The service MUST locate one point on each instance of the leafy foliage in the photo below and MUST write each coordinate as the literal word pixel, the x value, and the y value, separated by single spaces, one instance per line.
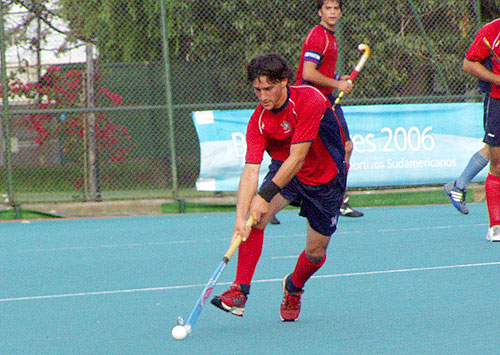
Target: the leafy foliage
pixel 122 30
pixel 417 46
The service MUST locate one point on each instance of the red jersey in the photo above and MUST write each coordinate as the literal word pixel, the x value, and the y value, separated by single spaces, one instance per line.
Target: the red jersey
pixel 297 121
pixel 479 52
pixel 320 47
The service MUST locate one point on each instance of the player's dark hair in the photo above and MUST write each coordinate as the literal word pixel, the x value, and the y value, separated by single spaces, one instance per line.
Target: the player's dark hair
pixel 321 2
pixel 270 65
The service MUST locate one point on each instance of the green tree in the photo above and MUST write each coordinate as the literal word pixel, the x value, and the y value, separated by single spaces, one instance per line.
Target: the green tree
pixel 417 46
pixel 122 30
pixel 490 10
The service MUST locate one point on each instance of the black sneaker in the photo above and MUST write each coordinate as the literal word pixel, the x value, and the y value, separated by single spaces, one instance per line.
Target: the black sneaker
pixel 347 211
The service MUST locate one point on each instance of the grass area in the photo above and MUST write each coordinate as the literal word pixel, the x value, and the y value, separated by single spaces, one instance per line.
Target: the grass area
pixel 403 198
pixel 364 199
pixel 358 199
pixel 195 207
pixel 21 213
pixel 199 207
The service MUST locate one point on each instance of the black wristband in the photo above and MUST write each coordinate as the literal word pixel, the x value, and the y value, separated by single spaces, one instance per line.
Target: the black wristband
pixel 269 190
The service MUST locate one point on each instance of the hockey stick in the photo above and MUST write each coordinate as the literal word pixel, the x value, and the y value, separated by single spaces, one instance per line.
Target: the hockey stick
pixel 207 291
pixel 364 57
pixel 492 52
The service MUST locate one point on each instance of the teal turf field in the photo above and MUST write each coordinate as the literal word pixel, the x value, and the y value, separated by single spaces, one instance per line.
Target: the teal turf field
pixel 401 280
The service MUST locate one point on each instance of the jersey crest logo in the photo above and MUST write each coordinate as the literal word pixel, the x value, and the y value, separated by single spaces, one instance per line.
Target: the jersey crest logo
pixel 286 127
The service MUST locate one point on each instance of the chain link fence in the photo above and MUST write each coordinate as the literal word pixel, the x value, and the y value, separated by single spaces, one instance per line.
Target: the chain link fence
pixel 97 97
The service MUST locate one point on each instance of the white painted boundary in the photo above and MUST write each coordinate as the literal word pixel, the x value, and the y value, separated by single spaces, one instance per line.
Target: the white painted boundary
pixel 166 288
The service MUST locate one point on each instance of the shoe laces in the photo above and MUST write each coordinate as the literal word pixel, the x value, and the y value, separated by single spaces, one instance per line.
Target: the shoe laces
pixel 234 290
pixel 292 300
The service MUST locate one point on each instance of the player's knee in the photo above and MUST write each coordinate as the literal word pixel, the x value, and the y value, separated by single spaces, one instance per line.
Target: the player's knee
pixel 348 147
pixel 495 165
pixel 495 168
pixel 486 151
pixel 315 256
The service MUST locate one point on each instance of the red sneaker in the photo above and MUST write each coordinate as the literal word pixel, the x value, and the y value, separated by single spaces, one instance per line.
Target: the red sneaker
pixel 232 300
pixel 290 306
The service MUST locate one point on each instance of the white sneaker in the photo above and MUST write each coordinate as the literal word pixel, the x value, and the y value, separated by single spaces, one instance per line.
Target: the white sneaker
pixel 494 234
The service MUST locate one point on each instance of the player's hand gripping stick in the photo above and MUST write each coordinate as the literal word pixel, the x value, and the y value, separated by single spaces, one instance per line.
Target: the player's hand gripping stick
pixel 492 52
pixel 364 57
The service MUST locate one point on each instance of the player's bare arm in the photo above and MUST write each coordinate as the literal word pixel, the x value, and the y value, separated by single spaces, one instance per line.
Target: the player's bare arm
pixel 246 191
pixel 313 75
pixel 480 71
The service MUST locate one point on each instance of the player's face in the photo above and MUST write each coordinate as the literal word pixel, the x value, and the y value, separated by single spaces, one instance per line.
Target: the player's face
pixel 330 14
pixel 271 95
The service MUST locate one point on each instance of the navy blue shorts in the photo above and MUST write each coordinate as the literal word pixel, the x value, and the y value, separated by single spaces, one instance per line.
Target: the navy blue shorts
pixel 340 114
pixel 319 204
pixel 491 121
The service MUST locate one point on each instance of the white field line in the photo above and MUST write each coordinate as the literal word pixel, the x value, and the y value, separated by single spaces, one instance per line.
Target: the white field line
pixel 104 246
pixel 165 288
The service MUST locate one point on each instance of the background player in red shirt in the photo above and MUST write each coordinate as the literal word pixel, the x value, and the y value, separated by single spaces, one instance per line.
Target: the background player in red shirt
pixel 489 36
pixel 317 68
pixel 297 127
